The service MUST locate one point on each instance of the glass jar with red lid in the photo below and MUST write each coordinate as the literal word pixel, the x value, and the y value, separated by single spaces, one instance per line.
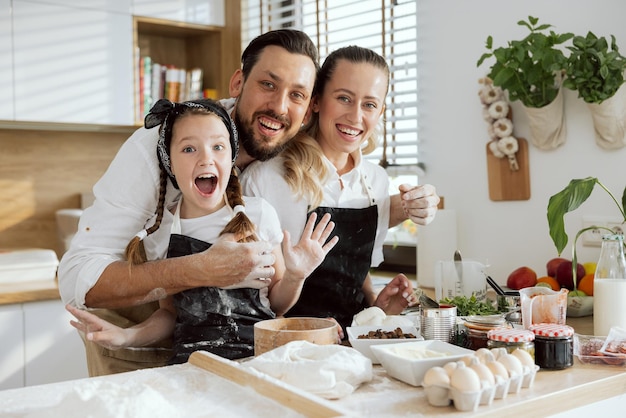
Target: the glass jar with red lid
pixel 512 338
pixel 554 346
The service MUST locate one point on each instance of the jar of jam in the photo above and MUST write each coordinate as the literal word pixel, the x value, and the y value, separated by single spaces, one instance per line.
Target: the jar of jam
pixel 478 326
pixel 512 338
pixel 554 346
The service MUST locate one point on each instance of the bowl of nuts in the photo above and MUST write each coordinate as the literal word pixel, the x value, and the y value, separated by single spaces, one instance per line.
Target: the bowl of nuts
pixel 363 337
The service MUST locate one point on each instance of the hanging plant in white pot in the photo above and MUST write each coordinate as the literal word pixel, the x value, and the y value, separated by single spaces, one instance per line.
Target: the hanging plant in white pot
pixel 530 70
pixel 596 71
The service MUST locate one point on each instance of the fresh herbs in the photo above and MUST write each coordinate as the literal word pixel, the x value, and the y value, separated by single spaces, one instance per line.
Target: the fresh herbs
pixel 469 306
pixel 594 68
pixel 529 69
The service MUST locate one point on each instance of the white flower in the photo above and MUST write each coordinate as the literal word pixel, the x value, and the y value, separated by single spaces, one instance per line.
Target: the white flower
pixel 508 145
pixel 489 93
pixel 499 109
pixel 495 150
pixel 503 127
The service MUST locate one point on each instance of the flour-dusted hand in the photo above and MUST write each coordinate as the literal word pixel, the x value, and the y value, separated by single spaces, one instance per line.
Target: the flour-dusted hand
pixel 396 296
pixel 98 330
pixel 419 203
pixel 308 254
pixel 234 264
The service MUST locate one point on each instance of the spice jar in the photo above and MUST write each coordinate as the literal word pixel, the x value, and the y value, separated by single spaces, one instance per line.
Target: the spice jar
pixel 554 347
pixel 512 338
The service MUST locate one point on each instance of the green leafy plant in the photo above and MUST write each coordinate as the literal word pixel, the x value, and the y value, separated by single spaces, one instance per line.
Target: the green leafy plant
pixel 593 69
pixel 569 199
pixel 528 69
pixel 469 306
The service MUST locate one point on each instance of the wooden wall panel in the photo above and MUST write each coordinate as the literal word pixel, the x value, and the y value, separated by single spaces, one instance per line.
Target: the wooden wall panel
pixel 43 171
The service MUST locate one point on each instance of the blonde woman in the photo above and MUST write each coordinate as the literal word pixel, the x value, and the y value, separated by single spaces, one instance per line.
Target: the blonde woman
pixel 322 171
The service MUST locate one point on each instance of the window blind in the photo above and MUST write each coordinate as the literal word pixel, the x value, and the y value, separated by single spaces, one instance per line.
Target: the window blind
pixel 388 27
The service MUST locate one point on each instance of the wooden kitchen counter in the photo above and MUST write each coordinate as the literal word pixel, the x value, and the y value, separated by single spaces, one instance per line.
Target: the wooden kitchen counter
pixel 552 392
pixel 31 291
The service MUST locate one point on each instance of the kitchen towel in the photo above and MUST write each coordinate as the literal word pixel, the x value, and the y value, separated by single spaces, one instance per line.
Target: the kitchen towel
pixel 330 371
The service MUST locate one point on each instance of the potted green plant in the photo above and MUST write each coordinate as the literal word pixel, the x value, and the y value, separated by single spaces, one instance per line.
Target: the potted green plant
pixel 530 71
pixel 569 199
pixel 595 70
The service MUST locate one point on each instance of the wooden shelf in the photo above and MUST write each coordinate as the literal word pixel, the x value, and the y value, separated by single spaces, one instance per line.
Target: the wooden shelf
pixel 183 45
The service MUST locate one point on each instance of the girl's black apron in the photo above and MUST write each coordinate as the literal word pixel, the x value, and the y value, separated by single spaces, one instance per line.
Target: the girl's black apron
pixel 212 319
pixel 334 289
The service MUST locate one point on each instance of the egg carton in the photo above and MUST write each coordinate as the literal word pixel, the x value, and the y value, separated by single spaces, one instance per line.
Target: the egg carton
pixel 469 400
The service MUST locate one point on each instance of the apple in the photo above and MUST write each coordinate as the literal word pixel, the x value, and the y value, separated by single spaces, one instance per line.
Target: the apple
pixel 521 277
pixel 564 274
pixel 552 265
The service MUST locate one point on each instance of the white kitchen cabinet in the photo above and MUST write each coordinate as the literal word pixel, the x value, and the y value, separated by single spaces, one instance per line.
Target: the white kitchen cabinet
pixel 6 61
pixel 119 6
pixel 11 347
pixel 203 12
pixel 72 64
pixel 39 345
pixel 53 350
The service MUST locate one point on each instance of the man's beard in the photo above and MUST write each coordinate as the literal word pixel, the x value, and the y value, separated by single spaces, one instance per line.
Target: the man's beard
pixel 253 147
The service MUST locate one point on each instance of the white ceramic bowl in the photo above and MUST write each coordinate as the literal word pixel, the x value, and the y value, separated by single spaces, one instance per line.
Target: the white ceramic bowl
pixel 363 345
pixel 400 362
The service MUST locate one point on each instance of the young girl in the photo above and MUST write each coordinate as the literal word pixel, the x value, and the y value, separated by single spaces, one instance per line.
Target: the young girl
pixel 197 148
pixel 323 171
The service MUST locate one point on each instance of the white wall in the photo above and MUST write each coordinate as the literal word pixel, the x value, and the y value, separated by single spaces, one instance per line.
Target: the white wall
pixel 453 134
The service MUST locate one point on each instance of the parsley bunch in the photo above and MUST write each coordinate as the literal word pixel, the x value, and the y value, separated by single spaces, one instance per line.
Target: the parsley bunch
pixel 469 306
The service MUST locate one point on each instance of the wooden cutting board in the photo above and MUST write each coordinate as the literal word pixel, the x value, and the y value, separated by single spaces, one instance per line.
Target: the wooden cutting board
pixel 505 184
pixel 286 395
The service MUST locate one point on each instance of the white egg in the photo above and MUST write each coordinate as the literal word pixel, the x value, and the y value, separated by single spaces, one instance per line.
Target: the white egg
pixel 436 376
pixel 484 374
pixel 498 351
pixel 512 364
pixel 485 355
pixel 524 356
pixel 498 369
pixel 467 360
pixel 449 367
pixel 465 379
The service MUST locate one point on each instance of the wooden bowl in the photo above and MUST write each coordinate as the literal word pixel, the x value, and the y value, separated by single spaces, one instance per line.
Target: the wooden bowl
pixel 273 333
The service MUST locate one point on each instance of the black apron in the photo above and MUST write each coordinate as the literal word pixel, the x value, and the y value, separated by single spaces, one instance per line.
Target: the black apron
pixel 212 319
pixel 334 289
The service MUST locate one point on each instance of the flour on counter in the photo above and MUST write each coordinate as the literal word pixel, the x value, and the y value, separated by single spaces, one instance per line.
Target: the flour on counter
pixel 175 391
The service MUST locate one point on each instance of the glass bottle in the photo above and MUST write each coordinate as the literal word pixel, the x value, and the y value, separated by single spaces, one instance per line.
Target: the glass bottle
pixel 609 286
